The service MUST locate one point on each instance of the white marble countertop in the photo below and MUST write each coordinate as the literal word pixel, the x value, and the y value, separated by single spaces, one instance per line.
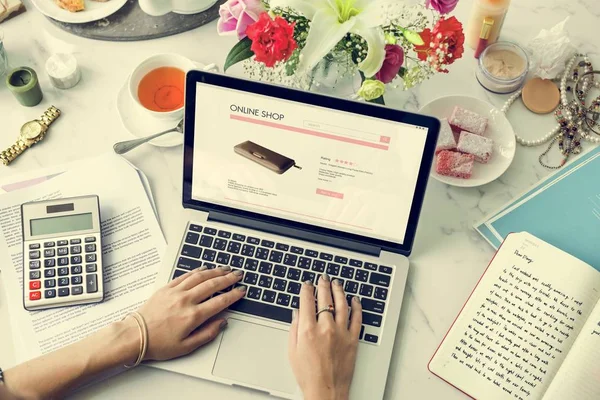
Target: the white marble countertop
pixel 448 256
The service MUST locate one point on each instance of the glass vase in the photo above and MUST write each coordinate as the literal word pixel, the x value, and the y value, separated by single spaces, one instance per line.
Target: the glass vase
pixel 335 75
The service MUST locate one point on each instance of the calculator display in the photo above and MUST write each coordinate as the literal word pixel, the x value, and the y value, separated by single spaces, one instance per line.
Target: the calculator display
pixel 68 223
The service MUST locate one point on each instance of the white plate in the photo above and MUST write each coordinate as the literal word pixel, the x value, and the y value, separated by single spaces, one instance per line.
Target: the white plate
pixel 499 130
pixel 94 10
pixel 141 124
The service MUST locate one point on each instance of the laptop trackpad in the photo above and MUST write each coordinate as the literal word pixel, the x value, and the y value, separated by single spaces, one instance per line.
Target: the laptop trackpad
pixel 256 355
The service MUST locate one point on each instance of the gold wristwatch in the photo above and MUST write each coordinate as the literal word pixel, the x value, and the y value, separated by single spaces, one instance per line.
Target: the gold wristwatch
pixel 31 133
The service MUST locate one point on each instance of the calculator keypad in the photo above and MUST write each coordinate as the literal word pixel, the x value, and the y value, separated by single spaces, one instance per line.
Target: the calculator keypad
pixel 62 269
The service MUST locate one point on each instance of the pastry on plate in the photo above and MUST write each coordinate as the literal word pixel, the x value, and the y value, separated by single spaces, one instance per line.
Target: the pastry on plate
pixel 71 5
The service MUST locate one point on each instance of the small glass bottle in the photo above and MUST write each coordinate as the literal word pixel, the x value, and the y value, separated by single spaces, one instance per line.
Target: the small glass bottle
pixel 484 36
pixel 3 56
pixel 494 9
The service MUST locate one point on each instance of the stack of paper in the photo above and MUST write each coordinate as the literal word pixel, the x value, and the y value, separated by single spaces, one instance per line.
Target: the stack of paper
pixel 563 210
pixel 131 251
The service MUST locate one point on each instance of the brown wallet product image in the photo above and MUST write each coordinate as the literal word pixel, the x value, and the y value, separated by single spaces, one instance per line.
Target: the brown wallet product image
pixel 265 157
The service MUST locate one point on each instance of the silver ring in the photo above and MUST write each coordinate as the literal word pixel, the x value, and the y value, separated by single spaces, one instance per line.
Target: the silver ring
pixel 328 309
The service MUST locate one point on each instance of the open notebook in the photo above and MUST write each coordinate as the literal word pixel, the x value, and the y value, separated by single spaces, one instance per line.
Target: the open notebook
pixel 530 330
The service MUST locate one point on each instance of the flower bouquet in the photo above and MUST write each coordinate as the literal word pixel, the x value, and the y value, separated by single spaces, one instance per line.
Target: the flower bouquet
pixel 384 42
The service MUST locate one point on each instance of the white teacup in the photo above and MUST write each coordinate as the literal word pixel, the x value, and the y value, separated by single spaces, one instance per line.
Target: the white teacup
pixel 158 61
pixel 150 64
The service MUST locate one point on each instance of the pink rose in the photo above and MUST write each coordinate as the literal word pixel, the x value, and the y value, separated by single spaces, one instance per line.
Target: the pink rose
pixel 236 15
pixel 442 6
pixel 394 58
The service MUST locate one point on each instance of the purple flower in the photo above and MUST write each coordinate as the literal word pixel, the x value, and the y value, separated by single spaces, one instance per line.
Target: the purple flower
pixel 394 58
pixel 442 6
pixel 236 15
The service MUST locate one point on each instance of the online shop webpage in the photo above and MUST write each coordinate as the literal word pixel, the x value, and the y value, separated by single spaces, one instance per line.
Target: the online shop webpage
pixel 305 163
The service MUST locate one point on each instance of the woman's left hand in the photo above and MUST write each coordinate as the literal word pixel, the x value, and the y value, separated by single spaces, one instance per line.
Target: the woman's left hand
pixel 179 315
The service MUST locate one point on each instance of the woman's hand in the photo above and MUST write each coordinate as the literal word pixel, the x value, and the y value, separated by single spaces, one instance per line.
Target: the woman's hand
pixel 323 350
pixel 179 314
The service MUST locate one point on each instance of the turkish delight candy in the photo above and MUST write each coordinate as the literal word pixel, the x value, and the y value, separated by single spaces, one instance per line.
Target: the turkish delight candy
pixel 479 146
pixel 452 163
pixel 446 140
pixel 465 120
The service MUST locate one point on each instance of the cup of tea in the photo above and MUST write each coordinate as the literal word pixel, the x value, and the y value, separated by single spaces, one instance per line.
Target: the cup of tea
pixel 157 85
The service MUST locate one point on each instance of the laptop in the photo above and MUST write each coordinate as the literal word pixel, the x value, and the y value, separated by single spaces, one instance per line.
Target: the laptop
pixel 287 185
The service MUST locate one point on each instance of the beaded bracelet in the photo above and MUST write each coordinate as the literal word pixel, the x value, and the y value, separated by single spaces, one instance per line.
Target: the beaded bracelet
pixel 1 376
pixel 143 337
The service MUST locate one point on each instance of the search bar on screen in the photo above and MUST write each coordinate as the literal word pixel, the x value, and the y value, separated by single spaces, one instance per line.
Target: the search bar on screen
pixel 346 132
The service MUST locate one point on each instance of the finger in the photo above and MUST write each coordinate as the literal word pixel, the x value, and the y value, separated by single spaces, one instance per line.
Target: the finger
pixel 306 314
pixel 204 335
pixel 355 317
pixel 211 286
pixel 196 279
pixel 293 340
pixel 341 305
pixel 218 303
pixel 324 299
pixel 183 277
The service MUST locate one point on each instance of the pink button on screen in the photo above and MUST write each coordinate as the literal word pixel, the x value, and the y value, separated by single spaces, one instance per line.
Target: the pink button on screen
pixel 329 193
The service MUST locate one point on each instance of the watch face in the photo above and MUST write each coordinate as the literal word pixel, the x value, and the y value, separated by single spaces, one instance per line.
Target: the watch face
pixel 31 130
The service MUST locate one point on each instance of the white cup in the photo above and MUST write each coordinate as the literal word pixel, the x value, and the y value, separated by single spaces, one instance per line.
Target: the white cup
pixel 152 63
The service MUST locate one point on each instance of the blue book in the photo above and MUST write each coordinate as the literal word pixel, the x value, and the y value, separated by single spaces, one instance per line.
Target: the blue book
pixel 563 210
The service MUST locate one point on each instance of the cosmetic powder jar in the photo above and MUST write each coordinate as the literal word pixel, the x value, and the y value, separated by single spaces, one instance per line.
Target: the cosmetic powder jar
pixel 502 68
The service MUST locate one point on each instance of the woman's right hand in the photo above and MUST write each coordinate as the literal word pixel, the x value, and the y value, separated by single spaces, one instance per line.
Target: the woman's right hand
pixel 323 349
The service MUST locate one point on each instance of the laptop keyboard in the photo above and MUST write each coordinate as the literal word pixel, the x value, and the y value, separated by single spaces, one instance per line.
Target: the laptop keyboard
pixel 274 272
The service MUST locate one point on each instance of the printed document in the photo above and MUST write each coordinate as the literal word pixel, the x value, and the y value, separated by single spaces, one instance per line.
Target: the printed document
pixel 132 246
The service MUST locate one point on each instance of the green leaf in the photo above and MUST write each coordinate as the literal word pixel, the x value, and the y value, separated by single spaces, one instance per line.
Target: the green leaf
pixel 402 72
pixel 378 100
pixel 292 63
pixel 240 52
pixel 413 37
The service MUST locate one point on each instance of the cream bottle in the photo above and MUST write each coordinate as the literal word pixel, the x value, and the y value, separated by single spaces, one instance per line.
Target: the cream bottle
pixel 495 9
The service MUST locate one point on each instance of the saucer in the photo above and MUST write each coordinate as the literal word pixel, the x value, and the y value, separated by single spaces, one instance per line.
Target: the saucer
pixel 140 124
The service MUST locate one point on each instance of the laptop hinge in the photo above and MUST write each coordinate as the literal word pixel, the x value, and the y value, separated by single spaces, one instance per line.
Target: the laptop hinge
pixel 277 229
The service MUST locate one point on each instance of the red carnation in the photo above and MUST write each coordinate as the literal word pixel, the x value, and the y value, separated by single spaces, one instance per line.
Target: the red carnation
pixel 272 39
pixel 444 45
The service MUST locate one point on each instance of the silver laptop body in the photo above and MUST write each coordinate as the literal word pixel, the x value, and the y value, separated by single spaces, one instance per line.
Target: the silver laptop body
pixel 252 351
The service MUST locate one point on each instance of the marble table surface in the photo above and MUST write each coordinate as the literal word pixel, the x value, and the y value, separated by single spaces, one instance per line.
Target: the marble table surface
pixel 448 256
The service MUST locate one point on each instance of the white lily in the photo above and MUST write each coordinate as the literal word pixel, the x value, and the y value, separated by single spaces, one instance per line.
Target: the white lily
pixel 331 20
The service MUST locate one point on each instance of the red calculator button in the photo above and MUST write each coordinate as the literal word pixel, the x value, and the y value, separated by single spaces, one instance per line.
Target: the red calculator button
pixel 35 285
pixel 35 295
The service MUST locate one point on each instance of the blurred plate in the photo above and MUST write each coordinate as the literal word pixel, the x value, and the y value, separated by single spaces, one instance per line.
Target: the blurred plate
pixel 94 10
pixel 499 130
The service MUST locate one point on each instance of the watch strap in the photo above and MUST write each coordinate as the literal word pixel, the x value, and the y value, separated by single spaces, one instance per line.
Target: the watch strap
pixel 8 155
pixel 49 116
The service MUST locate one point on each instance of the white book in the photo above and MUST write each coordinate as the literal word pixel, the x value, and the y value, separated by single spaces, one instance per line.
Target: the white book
pixel 530 329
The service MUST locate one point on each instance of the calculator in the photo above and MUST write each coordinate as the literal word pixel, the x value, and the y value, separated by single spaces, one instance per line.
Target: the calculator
pixel 62 253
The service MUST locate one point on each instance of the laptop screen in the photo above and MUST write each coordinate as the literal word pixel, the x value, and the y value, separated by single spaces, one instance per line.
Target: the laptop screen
pixel 300 162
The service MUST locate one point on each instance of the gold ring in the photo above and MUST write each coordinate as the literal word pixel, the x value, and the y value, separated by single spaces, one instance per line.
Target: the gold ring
pixel 328 309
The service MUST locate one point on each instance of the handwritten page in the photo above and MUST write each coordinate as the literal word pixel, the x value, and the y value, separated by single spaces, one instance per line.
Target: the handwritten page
pixel 520 322
pixel 579 376
pixel 132 245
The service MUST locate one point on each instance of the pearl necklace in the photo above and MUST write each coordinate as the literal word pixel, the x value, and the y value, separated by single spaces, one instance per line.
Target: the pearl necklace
pixel 564 101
